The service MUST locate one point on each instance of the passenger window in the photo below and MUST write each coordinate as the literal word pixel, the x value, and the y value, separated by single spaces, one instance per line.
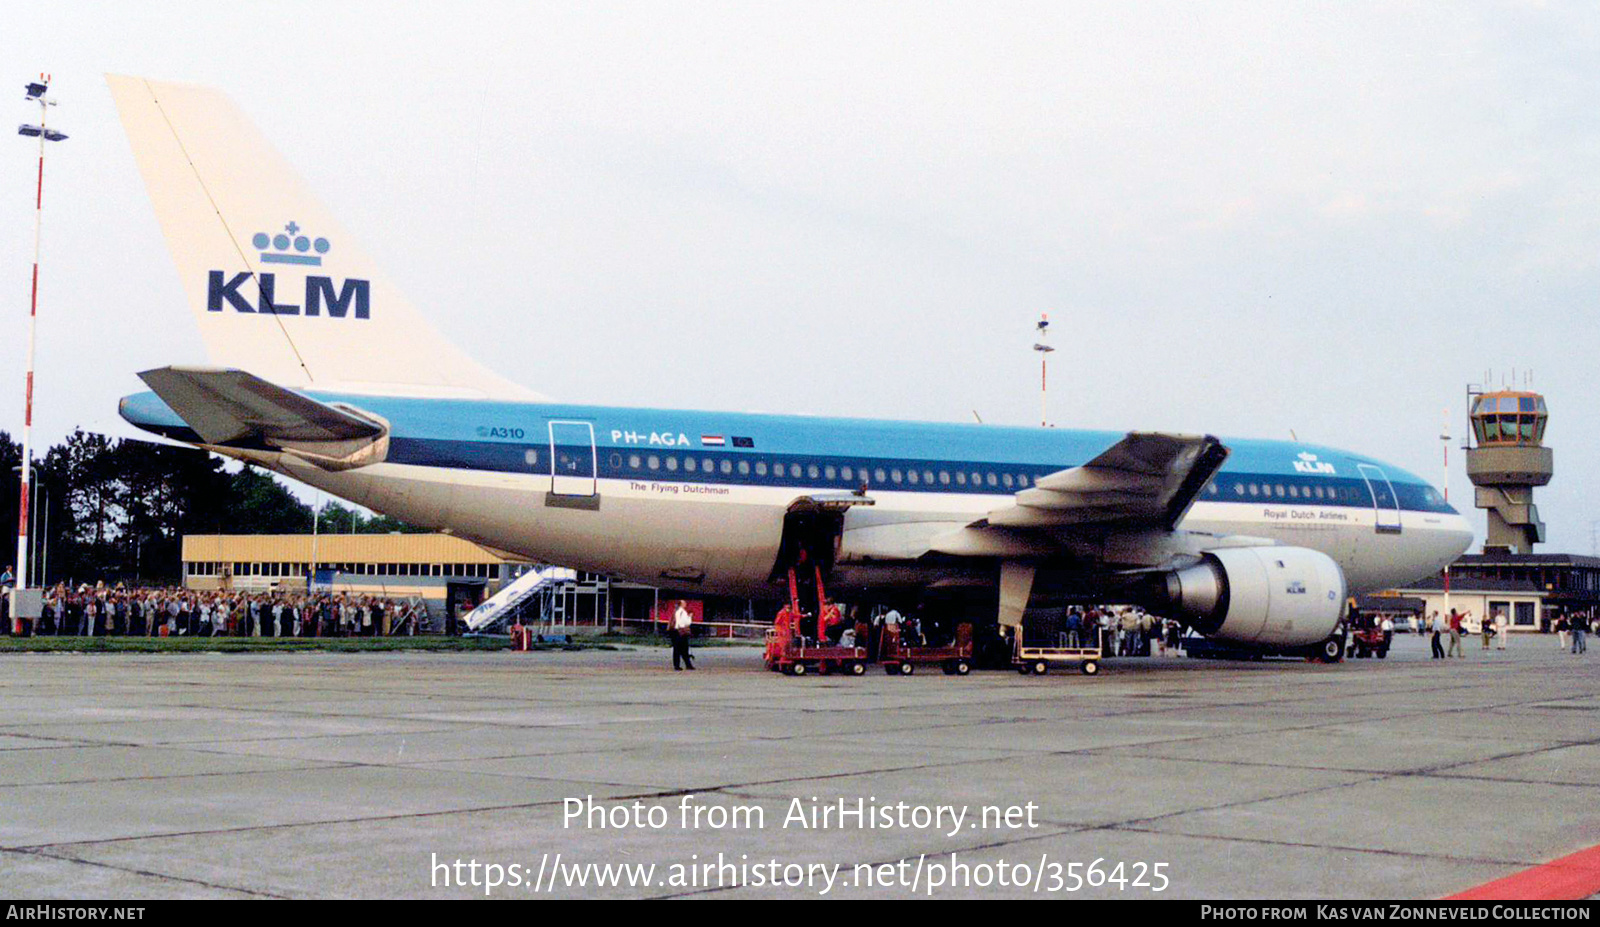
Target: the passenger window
pixel 761 468
pixel 726 466
pixel 653 462
pixel 848 473
pixel 1006 479
pixel 991 479
pixel 672 463
pixel 794 471
pixel 913 477
pixel 961 477
pixel 633 461
pixel 1255 490
pixel 879 475
pixel 944 477
pixel 744 468
pixel 812 471
pixel 689 464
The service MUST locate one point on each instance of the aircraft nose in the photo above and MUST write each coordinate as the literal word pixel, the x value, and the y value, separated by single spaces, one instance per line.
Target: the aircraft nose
pixel 1455 536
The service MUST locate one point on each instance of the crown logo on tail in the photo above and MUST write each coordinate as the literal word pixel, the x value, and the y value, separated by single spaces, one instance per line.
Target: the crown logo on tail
pixel 290 247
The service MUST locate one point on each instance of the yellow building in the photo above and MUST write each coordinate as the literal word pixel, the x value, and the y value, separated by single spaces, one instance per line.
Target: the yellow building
pixel 447 573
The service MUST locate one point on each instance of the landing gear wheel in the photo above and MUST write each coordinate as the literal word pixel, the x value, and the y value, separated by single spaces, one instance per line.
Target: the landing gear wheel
pixel 799 669
pixel 856 669
pixel 1039 667
pixel 962 668
pixel 1330 650
pixel 1091 667
pixel 906 669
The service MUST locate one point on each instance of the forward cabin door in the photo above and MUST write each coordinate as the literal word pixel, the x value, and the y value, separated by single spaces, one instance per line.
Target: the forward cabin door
pixel 572 457
pixel 1384 500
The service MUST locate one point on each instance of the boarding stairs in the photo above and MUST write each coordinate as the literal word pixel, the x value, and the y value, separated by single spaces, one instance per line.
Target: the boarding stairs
pixel 530 592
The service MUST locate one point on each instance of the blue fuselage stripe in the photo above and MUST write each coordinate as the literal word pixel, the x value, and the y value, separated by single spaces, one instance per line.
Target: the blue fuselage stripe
pixel 753 468
pixel 802 451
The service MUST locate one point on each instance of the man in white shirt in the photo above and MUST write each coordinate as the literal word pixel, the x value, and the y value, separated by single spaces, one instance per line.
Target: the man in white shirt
pixel 682 625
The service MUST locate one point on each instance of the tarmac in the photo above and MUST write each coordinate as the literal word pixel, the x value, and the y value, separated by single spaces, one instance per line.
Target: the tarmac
pixel 360 775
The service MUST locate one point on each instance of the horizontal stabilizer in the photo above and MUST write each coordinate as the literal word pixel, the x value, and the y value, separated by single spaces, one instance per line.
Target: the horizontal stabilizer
pixel 226 406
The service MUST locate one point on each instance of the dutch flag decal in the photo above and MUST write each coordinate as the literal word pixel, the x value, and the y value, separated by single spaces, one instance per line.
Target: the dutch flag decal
pixel 712 440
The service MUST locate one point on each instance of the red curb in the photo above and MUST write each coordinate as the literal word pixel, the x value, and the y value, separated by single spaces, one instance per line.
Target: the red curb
pixel 1570 878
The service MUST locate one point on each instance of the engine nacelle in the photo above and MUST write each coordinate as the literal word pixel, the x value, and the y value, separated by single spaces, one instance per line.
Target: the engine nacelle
pixel 1271 596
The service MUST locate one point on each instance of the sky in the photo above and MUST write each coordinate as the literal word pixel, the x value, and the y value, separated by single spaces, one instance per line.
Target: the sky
pixel 1275 219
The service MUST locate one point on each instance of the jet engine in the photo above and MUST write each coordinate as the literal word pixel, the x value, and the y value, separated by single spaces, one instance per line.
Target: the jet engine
pixel 1268 596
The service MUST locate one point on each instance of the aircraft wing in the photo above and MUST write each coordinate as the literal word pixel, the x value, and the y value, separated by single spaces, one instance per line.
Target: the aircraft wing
pixel 228 406
pixel 1147 479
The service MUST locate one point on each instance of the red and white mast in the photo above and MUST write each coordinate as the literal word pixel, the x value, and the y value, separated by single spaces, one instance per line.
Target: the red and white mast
pixel 36 92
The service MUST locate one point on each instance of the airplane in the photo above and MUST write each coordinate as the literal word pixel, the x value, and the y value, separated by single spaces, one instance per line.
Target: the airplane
pixel 321 370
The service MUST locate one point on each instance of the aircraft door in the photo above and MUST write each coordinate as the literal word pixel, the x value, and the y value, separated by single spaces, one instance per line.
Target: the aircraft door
pixel 572 457
pixel 1384 500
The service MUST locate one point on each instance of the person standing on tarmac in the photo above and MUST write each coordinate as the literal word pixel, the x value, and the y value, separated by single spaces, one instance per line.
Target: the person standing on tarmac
pixel 1436 626
pixel 682 625
pixel 1456 620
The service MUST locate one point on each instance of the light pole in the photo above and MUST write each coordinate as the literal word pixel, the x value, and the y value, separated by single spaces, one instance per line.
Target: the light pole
pixel 44 541
pixel 316 525
pixel 1444 439
pixel 1044 361
pixel 37 92
pixel 35 533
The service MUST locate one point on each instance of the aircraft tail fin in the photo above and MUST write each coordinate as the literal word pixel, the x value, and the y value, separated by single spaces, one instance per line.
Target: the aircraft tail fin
pixel 276 285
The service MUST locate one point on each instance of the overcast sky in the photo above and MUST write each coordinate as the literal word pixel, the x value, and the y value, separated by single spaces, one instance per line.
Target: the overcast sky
pixel 1246 219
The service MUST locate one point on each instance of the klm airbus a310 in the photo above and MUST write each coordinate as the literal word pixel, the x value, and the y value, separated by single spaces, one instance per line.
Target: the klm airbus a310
pixel 322 371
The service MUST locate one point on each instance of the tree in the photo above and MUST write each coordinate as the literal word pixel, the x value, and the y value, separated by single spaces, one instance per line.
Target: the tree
pixel 262 505
pixel 167 492
pixel 10 493
pixel 337 519
pixel 93 493
pixel 118 509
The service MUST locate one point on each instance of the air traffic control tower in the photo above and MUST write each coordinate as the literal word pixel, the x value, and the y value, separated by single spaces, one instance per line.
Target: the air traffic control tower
pixel 1506 459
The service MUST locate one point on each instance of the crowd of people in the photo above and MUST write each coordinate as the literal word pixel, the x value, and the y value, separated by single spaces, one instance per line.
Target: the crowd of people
pixel 120 611
pixel 1125 631
pixel 1571 630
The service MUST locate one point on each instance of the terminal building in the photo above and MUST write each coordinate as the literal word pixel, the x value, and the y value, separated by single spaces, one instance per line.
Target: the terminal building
pixel 447 574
